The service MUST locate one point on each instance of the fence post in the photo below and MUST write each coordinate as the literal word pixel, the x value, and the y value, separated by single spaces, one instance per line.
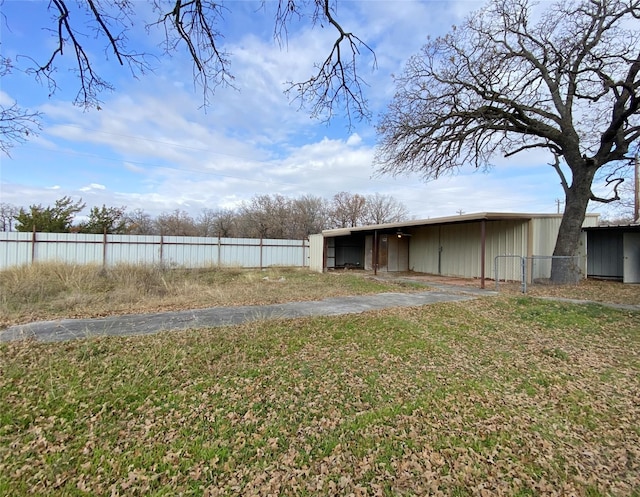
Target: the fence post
pixel 260 251
pixel 104 248
pixel 33 245
pixel 161 247
pixel 219 251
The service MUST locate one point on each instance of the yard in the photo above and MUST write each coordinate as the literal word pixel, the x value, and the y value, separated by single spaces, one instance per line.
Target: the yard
pixel 504 395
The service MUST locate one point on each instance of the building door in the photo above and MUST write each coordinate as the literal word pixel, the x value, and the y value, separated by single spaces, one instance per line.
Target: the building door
pixel 398 253
pixel 383 252
pixel 631 258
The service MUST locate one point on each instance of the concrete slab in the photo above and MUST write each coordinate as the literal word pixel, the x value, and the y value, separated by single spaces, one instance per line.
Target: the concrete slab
pixel 142 324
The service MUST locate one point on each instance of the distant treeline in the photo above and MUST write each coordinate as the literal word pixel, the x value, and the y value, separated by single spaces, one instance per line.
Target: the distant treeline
pixel 264 216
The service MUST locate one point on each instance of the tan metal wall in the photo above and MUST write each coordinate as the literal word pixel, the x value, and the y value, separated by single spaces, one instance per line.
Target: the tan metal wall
pixel 544 234
pixel 316 253
pixel 424 244
pixel 510 239
pixel 455 249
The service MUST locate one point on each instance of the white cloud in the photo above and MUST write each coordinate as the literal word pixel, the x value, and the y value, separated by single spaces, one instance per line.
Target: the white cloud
pixel 92 187
pixel 152 147
pixel 5 99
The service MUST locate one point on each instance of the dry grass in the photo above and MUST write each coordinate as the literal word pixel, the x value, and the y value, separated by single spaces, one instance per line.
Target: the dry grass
pixel 612 292
pixel 54 290
pixel 509 396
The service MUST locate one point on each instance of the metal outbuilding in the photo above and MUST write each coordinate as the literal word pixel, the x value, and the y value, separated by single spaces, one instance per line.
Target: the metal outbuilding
pixel 613 252
pixel 460 246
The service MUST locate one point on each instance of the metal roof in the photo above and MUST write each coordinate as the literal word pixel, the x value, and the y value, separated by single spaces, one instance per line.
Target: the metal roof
pixel 463 218
pixel 614 227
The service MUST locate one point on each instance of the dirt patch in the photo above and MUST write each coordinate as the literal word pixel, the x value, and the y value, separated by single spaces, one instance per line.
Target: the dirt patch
pixel 604 291
pixel 435 279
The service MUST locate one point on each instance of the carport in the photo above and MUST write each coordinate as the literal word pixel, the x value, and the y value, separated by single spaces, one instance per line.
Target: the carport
pixel 458 246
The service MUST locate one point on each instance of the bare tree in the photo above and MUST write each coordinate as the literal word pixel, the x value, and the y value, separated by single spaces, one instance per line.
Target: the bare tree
pixel 140 223
pixel 226 223
pixel 206 222
pixel 310 215
pixel 176 223
pixel 622 211
pixel 381 209
pixel 16 125
pixel 220 222
pixel 347 210
pixel 190 26
pixel 510 79
pixel 8 212
pixel 266 216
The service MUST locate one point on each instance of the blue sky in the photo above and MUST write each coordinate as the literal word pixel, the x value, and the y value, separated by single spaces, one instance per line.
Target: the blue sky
pixel 152 146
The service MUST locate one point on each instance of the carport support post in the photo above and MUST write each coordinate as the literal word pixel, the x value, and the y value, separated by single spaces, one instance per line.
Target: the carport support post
pixel 483 240
pixel 375 252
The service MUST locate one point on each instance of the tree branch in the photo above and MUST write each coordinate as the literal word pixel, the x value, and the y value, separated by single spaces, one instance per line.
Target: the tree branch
pixel 105 30
pixel 16 125
pixel 337 80
pixel 558 169
pixel 192 23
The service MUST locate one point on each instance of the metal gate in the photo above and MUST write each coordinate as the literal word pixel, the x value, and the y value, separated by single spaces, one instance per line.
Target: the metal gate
pixel 527 270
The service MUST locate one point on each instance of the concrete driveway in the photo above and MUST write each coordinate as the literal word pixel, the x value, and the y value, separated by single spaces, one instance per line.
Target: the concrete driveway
pixel 142 324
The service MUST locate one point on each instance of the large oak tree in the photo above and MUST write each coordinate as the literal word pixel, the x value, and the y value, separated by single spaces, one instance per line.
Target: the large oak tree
pixel 559 78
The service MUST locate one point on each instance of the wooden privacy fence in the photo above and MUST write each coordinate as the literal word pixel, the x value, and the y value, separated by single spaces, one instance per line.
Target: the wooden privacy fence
pixel 184 251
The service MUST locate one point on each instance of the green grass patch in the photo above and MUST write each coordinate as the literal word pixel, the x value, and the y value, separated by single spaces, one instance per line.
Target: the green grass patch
pixel 511 395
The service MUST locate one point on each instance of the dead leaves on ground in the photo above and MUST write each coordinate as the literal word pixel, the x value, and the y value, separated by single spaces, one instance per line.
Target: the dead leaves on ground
pixel 480 398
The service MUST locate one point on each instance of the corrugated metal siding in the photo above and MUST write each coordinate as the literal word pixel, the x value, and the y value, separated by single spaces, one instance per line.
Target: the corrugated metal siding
pixel 316 253
pixel 605 254
pixel 284 253
pixel 18 248
pixel 545 234
pixel 455 249
pixel 368 252
pixel 505 238
pixel 423 250
pixel 15 248
pixel 331 253
pixel 133 249
pixel 68 247
pixel 461 250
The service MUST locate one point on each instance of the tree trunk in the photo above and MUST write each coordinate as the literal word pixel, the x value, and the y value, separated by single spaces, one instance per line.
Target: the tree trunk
pixel 566 268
